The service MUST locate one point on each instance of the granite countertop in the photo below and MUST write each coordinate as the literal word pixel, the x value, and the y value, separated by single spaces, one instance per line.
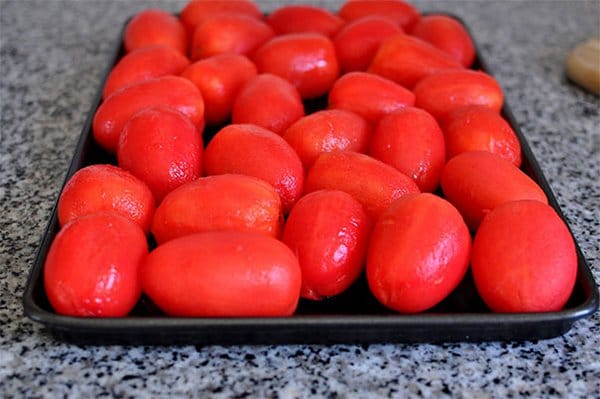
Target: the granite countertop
pixel 52 56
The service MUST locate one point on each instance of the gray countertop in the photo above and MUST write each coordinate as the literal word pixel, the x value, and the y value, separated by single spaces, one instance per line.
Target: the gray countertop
pixel 52 56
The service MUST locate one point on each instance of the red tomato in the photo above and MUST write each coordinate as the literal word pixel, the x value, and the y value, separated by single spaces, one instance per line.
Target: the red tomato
pixel 219 79
pixel 197 11
pixel 476 182
pixel 407 59
pixel 368 95
pixel 326 131
pixel 171 91
pixel 328 231
pixel 153 26
pixel 478 128
pixel 268 101
pixel 524 258
pixel 162 148
pixel 418 253
pixel 357 42
pixel 254 151
pixel 93 266
pixel 447 34
pixel 229 33
pixel 224 202
pixel 97 188
pixel 304 18
pixel 401 12
pixel 411 141
pixel 446 91
pixel 307 60
pixel 373 183
pixel 143 64
pixel 223 274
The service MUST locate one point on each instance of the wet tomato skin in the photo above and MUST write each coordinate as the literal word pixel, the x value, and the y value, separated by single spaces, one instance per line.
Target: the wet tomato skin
pixel 418 253
pixel 368 95
pixel 171 91
pixel 401 12
pixel 447 34
pixel 220 79
pixel 197 11
pixel 307 60
pixel 357 42
pixel 476 182
pixel 407 60
pixel 103 187
pixel 142 64
pixel 154 26
pixel 411 140
pixel 328 231
pixel 446 91
pixel 479 128
pixel 255 151
pixel 92 267
pixel 268 101
pixel 373 183
pixel 161 147
pixel 229 33
pixel 524 258
pixel 223 274
pixel 326 131
pixel 304 18
pixel 224 202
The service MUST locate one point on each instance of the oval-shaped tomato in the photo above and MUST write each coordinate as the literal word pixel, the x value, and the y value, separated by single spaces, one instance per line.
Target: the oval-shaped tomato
pixel 170 91
pixel 154 26
pixel 447 34
pixel 328 231
pixel 407 59
pixel 418 253
pixel 373 183
pixel 326 131
pixel 93 266
pixel 446 91
pixel 255 151
pixel 307 60
pixel 197 11
pixel 476 182
pixel 101 187
pixel 399 11
pixel 304 18
pixel 524 258
pixel 411 141
pixel 220 79
pixel 162 148
pixel 229 33
pixel 368 95
pixel 478 128
pixel 223 274
pixel 269 101
pixel 357 42
pixel 223 202
pixel 143 64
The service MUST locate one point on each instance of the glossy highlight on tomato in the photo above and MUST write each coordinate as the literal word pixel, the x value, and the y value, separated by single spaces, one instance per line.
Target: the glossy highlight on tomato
pixel 307 60
pixel 224 202
pixel 328 231
pixel 93 266
pixel 418 253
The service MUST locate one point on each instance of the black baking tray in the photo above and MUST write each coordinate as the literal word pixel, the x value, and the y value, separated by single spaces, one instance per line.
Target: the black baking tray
pixel 353 317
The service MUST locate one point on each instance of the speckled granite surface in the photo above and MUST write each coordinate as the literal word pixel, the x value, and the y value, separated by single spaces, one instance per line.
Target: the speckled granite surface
pixel 52 55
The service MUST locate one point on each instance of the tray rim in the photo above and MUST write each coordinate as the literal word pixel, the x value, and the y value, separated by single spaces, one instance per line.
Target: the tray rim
pixel 69 328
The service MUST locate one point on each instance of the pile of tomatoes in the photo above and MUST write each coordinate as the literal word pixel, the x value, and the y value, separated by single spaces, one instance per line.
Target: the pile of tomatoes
pixel 409 175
